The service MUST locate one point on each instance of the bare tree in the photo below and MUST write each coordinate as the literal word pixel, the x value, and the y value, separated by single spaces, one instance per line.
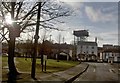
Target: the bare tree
pixel 23 15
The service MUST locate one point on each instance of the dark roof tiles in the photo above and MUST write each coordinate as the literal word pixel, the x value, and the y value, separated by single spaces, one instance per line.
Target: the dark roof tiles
pixel 87 43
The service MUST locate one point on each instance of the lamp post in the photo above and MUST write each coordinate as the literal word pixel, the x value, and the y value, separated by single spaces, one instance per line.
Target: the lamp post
pixel 36 37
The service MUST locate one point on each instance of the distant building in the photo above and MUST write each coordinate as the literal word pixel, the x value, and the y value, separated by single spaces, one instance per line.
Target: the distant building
pixel 107 46
pixel 47 48
pixel 110 53
pixel 64 50
pixel 87 51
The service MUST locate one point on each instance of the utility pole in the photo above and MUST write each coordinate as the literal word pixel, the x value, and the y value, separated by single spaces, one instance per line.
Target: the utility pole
pixel 63 40
pixel 36 37
pixel 50 38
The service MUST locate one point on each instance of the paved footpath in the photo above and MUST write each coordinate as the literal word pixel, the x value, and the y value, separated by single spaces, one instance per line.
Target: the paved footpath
pixel 65 75
pixel 62 76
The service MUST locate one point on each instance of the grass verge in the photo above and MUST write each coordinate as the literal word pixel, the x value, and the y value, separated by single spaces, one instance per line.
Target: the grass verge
pixel 24 65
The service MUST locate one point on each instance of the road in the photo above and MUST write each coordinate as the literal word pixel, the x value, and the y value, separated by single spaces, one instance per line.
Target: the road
pixel 100 72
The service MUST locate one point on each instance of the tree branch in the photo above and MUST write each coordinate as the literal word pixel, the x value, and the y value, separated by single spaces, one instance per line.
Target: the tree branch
pixel 43 4
pixel 3 35
pixel 57 16
pixel 44 26
pixel 29 12
pixel 6 7
pixel 3 16
pixel 18 10
pixel 25 24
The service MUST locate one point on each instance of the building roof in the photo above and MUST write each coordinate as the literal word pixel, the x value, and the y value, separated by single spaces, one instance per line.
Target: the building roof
pixel 87 43
pixel 62 46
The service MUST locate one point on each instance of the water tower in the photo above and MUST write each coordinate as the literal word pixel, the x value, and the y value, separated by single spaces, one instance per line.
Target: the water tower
pixel 80 35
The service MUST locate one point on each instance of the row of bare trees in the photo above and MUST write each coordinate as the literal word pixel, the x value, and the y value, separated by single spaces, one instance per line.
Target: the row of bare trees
pixel 23 16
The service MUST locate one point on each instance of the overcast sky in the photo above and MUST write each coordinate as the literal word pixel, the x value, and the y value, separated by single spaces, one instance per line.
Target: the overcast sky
pixel 99 18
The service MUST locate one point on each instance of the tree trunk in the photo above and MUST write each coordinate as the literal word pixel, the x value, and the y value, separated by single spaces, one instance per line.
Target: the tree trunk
pixel 11 64
pixel 11 51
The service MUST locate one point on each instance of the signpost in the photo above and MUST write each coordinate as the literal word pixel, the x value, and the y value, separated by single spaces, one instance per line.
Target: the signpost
pixel 45 59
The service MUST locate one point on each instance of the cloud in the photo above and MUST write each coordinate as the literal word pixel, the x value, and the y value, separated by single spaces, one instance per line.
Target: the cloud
pixel 74 4
pixel 89 0
pixel 110 37
pixel 101 0
pixel 98 16
pixel 71 0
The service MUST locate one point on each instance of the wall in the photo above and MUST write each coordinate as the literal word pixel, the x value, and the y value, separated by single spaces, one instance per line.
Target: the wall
pixel 86 49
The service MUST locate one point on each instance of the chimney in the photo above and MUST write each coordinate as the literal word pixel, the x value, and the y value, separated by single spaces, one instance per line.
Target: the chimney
pixel 96 39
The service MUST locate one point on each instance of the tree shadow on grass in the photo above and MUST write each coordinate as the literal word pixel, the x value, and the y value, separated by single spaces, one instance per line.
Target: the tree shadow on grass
pixel 12 78
pixel 21 78
pixel 16 78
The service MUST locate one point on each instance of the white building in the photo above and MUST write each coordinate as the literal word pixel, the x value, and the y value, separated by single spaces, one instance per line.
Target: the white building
pixel 110 53
pixel 87 50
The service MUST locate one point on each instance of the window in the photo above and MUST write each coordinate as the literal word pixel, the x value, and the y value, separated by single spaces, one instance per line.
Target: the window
pixel 81 47
pixel 92 47
pixel 92 52
pixel 86 46
pixel 87 52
